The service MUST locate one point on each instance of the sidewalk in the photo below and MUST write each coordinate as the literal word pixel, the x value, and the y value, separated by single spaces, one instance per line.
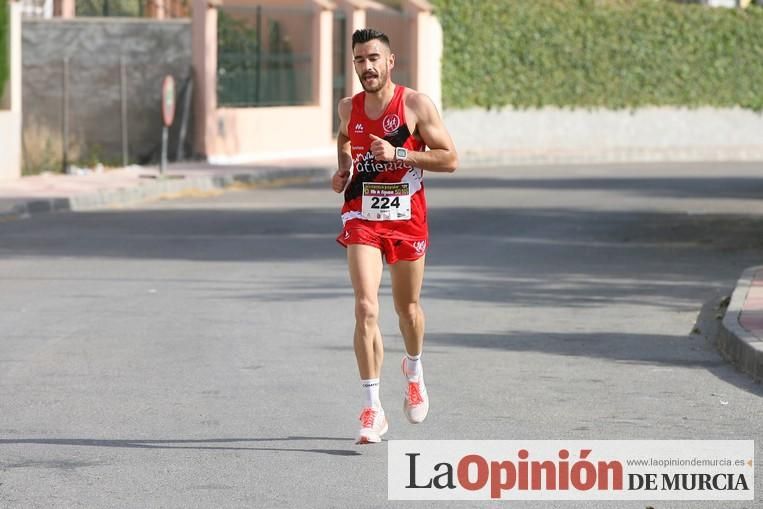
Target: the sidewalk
pixel 132 185
pixel 741 335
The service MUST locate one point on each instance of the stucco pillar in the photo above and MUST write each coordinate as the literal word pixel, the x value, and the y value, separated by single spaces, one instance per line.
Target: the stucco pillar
pixel 327 56
pixel 204 48
pixel 426 49
pixel 64 9
pixel 355 11
pixel 157 9
pixel 322 71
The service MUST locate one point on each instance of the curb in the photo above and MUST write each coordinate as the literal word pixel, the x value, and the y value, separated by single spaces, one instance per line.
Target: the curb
pixel 736 343
pixel 153 189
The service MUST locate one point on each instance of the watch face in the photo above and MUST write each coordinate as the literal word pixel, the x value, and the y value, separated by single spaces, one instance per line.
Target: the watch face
pixel 401 153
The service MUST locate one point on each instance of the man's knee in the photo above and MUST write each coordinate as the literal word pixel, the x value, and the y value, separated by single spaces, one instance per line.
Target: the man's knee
pixel 410 313
pixel 366 312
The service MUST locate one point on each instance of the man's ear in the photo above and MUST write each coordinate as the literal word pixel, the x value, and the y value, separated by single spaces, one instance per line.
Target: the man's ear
pixel 391 60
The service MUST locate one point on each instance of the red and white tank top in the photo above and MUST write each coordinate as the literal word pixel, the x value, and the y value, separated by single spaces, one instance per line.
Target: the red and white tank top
pixel 386 196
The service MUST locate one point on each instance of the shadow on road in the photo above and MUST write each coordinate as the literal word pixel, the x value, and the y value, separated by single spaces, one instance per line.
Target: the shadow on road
pixel 671 187
pixel 190 444
pixel 246 235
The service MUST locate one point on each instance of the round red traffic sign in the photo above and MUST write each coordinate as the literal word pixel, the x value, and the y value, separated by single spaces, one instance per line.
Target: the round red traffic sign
pixel 168 100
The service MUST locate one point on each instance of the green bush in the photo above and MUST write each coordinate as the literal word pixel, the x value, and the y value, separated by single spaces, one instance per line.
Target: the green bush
pixel 5 29
pixel 611 54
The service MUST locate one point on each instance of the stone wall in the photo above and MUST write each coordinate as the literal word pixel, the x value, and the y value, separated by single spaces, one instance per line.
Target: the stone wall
pixel 95 49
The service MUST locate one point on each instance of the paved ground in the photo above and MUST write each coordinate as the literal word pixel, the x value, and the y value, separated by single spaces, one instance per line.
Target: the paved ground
pixel 196 353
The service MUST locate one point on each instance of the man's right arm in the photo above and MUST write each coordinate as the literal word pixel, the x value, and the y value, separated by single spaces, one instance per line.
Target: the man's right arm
pixel 343 148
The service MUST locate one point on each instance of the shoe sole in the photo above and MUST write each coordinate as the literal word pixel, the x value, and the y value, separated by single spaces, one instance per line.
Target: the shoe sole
pixel 365 440
pixel 408 415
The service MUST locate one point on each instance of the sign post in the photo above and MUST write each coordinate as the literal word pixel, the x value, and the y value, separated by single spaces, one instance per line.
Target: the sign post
pixel 168 115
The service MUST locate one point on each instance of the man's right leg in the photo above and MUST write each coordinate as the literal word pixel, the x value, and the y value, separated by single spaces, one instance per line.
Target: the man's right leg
pixel 365 266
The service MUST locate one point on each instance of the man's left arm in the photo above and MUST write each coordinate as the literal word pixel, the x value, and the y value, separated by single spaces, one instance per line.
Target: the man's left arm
pixel 442 155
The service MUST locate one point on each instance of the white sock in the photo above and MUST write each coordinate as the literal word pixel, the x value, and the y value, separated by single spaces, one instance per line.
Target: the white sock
pixel 371 392
pixel 412 366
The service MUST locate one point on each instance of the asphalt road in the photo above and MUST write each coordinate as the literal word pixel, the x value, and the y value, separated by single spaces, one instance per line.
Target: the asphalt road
pixel 197 352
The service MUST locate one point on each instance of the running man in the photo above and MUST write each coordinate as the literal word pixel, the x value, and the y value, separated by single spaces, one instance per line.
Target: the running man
pixel 383 134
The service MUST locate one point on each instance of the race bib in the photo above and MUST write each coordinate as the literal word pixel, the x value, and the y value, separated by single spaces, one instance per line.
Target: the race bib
pixel 386 201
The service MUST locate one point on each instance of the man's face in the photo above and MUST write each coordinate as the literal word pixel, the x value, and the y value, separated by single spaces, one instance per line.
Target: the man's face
pixel 373 61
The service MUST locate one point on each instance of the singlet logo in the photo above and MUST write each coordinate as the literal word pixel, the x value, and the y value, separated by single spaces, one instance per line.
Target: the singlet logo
pixel 367 163
pixel 359 128
pixel 391 123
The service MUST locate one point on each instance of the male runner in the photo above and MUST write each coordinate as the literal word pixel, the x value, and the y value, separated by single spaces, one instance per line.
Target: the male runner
pixel 383 134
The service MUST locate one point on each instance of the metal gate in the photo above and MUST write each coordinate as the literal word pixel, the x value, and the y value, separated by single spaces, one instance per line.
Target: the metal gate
pixel 264 56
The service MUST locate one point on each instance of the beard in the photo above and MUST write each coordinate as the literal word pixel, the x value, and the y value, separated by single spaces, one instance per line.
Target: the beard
pixel 381 81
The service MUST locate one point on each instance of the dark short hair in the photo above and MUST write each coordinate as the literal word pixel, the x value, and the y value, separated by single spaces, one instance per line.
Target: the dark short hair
pixel 369 34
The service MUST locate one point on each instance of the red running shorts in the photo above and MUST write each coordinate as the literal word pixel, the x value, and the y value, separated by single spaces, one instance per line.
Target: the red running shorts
pixel 393 249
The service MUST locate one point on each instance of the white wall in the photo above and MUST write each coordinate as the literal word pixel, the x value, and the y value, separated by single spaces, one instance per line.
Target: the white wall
pixel 566 135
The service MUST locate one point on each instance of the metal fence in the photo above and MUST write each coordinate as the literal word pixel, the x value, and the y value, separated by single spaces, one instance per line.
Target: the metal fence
pixel 131 8
pixel 264 56
pixel 37 8
pixel 110 8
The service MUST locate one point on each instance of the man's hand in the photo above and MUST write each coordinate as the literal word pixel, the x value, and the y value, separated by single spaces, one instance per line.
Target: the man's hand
pixel 381 149
pixel 339 180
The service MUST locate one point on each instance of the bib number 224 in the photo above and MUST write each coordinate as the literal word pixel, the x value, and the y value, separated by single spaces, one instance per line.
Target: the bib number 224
pixel 386 201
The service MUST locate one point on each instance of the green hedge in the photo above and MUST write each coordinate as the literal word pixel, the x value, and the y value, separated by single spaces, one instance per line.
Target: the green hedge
pixel 612 54
pixel 5 29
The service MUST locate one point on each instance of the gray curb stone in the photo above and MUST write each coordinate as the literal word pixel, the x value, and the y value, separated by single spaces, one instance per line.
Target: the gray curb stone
pixel 152 189
pixel 735 343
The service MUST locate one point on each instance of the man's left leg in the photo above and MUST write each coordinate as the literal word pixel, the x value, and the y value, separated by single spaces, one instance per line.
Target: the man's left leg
pixel 407 278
